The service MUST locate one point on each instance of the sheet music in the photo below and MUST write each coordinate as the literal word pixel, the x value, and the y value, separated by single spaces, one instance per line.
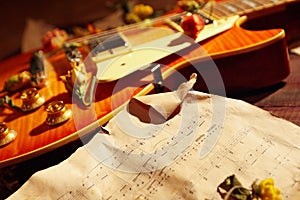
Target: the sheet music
pixel 167 162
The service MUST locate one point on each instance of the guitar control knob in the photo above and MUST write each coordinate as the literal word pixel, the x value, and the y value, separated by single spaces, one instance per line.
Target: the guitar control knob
pixel 6 135
pixel 57 113
pixel 31 99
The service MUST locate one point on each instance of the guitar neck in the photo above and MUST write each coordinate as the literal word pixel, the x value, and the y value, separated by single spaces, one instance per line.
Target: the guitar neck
pixel 213 10
pixel 251 8
pixel 99 37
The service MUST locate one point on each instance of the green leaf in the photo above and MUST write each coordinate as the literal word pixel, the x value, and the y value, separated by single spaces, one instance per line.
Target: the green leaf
pixel 6 100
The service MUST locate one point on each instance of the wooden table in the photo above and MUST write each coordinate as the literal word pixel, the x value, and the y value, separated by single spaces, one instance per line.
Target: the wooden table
pixel 283 99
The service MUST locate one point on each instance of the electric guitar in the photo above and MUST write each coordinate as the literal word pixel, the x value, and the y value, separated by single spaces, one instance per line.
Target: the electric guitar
pixel 245 59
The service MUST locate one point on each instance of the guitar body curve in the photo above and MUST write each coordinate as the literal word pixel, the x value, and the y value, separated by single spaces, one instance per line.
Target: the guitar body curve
pixel 246 60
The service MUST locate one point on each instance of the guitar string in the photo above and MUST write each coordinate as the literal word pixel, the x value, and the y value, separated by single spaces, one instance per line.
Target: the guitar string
pixel 128 27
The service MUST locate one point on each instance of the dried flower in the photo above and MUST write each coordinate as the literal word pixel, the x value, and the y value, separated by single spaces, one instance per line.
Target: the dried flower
pixel 267 190
pixel 232 189
pixel 191 5
pixel 142 10
pixel 192 24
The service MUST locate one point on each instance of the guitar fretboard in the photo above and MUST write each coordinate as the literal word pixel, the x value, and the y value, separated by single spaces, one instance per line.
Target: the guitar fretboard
pixel 222 9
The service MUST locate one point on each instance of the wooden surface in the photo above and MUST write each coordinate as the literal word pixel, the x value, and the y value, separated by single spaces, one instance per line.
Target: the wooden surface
pixel 282 99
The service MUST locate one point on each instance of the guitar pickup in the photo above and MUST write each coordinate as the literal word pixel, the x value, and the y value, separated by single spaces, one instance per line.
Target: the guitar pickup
pixel 109 47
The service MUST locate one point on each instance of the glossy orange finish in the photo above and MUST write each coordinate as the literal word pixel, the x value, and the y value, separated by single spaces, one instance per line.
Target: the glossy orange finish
pixel 36 137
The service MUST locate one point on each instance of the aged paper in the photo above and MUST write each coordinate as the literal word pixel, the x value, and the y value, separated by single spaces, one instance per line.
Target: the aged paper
pixel 186 157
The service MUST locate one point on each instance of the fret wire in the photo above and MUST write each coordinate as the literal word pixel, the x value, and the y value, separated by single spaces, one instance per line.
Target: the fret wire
pixel 267 2
pixel 249 3
pixel 244 7
pixel 218 8
pixel 219 13
pixel 215 13
pixel 278 1
pixel 274 1
pixel 270 3
pixel 234 7
pixel 209 16
pixel 208 10
pixel 258 3
pixel 231 8
pixel 223 9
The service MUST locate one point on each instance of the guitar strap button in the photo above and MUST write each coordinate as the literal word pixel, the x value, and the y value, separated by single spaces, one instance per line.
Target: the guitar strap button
pixel 6 135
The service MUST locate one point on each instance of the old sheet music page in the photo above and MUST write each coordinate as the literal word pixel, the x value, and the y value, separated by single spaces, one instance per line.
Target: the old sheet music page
pixel 186 157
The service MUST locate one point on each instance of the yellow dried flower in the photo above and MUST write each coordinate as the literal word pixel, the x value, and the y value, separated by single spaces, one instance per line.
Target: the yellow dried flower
pixel 188 5
pixel 131 18
pixel 268 191
pixel 142 10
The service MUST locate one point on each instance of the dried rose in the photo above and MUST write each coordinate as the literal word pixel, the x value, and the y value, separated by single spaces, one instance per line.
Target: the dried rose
pixel 192 24
pixel 54 39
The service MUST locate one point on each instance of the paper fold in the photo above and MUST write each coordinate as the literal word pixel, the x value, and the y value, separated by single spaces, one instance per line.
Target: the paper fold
pixel 158 108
